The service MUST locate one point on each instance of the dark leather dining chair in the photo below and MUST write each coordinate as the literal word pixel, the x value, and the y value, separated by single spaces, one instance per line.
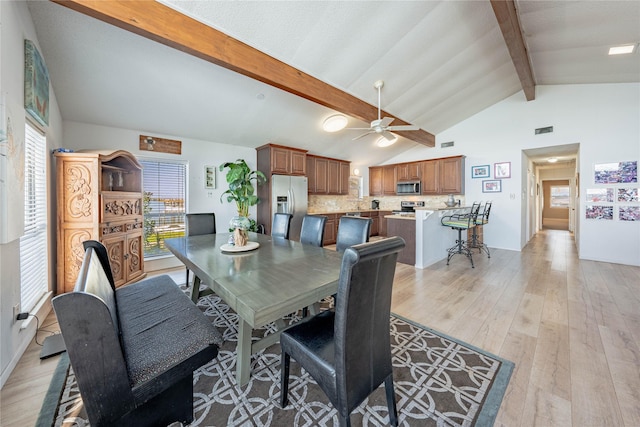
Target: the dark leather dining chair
pixel 198 224
pixel 348 351
pixel 281 225
pixel 312 231
pixel 352 230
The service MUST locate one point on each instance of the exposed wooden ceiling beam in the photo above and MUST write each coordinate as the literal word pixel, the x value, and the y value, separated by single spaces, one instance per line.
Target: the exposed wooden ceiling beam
pixel 507 16
pixel 164 25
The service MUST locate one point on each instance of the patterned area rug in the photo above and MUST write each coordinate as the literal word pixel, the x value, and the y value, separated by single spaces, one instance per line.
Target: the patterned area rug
pixel 439 381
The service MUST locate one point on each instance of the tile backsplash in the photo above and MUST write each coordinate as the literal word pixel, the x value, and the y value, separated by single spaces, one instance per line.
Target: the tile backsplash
pixel 322 204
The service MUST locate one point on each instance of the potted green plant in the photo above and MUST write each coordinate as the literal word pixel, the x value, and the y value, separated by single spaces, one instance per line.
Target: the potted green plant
pixel 241 190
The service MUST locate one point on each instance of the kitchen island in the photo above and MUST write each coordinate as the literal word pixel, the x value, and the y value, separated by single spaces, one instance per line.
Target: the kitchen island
pixel 405 227
pixel 432 238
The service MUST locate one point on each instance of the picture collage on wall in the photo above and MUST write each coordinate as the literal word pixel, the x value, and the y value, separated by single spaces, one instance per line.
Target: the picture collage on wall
pixel 500 171
pixel 619 195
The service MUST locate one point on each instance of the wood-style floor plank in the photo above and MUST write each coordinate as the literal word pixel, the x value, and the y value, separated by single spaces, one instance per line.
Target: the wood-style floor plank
pixel 571 327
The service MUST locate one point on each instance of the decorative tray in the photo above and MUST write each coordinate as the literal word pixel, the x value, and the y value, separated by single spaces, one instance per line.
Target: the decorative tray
pixel 248 247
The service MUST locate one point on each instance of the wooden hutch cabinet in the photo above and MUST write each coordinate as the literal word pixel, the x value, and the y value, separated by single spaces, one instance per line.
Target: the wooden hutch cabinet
pixel 99 197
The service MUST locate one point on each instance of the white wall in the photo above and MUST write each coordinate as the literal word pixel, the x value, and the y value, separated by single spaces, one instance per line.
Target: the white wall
pixel 604 119
pixel 15 26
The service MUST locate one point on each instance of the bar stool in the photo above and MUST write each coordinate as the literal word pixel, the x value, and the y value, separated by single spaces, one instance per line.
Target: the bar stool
pixel 461 222
pixel 482 219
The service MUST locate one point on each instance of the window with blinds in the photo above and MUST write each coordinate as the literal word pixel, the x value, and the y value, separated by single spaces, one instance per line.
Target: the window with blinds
pixel 34 259
pixel 164 186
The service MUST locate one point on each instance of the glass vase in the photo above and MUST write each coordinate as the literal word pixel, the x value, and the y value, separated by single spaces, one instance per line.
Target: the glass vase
pixel 239 226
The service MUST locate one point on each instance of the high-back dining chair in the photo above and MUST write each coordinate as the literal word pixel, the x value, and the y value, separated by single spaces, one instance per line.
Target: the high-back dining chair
pixel 198 224
pixel 352 230
pixel 312 231
pixel 281 225
pixel 348 351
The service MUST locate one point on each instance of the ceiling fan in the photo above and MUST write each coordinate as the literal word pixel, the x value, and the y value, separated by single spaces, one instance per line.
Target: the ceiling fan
pixel 381 126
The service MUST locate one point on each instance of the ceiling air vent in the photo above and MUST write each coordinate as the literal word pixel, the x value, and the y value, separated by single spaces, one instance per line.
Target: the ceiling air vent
pixel 548 129
pixel 446 144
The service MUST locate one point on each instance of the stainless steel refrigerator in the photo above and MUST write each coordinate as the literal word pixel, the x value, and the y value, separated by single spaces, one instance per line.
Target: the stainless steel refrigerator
pixel 289 194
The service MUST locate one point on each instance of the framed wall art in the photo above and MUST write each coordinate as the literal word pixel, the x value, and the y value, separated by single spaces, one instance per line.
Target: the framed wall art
pixel 480 171
pixel 502 170
pixel 492 186
pixel 615 173
pixel 628 195
pixel 599 195
pixel 629 213
pixel 36 84
pixel 599 212
pixel 209 177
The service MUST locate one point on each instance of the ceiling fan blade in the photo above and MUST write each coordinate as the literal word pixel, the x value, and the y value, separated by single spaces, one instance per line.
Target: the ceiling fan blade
pixel 404 127
pixel 385 122
pixel 357 129
pixel 389 136
pixel 363 135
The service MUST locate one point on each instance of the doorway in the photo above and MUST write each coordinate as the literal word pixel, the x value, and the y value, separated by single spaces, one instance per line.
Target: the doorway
pixel 553 166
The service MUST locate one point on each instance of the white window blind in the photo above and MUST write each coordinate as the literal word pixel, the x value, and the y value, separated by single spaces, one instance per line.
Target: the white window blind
pixel 34 259
pixel 164 185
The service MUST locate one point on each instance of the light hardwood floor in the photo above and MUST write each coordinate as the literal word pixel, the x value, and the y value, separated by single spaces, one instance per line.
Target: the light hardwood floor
pixel 572 328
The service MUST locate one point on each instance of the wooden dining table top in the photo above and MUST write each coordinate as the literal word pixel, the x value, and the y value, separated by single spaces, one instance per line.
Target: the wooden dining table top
pixel 264 284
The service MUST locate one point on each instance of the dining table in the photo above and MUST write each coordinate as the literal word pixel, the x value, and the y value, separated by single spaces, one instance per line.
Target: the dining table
pixel 273 279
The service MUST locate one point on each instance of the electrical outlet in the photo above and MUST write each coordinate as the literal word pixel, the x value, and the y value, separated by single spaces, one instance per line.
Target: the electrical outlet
pixel 16 311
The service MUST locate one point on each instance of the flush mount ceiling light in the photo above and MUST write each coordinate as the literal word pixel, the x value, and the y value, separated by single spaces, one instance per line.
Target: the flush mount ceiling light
pixel 384 142
pixel 621 50
pixel 553 160
pixel 335 123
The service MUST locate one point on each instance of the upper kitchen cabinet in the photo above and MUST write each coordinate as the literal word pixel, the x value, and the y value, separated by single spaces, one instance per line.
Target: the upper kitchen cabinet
pixel 409 171
pixel 443 176
pixel 452 175
pixel 277 159
pixel 382 180
pixel 327 176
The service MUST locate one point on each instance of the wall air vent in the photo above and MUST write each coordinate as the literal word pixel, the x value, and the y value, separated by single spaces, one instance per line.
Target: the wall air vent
pixel 548 129
pixel 446 144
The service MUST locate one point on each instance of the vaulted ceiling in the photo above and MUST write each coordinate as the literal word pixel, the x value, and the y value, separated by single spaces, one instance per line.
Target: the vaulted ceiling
pixel 441 61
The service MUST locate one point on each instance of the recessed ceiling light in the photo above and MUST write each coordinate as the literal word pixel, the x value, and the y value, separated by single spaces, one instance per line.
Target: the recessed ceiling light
pixel 621 50
pixel 384 142
pixel 335 123
pixel 553 160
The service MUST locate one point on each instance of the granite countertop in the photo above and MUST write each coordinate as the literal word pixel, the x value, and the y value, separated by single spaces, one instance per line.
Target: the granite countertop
pixel 346 211
pixel 438 208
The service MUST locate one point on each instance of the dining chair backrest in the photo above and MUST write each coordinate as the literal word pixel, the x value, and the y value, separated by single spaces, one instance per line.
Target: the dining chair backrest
pixel 312 231
pixel 352 230
pixel 361 328
pixel 281 225
pixel 200 223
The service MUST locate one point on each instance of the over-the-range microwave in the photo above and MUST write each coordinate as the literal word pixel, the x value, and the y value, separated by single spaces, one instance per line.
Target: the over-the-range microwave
pixel 408 187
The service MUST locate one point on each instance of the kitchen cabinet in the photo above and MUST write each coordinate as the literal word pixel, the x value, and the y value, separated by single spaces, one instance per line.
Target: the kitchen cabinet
pixel 443 176
pixel 99 197
pixel 408 171
pixel 328 176
pixel 389 180
pixel 382 223
pixel 405 228
pixel 331 228
pixel 430 177
pixel 280 160
pixel 375 181
pixel 452 175
pixel 375 221
pixel 382 180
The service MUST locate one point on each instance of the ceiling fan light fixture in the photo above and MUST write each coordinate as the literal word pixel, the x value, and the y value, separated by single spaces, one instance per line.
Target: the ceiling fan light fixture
pixel 552 160
pixel 335 123
pixel 384 142
pixel 622 50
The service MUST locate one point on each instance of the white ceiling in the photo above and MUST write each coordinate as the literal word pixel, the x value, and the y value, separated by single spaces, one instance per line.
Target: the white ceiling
pixel 442 62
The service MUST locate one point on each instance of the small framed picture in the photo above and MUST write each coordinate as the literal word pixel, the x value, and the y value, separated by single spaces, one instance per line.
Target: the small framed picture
pixel 502 170
pixel 492 186
pixel 209 177
pixel 480 171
